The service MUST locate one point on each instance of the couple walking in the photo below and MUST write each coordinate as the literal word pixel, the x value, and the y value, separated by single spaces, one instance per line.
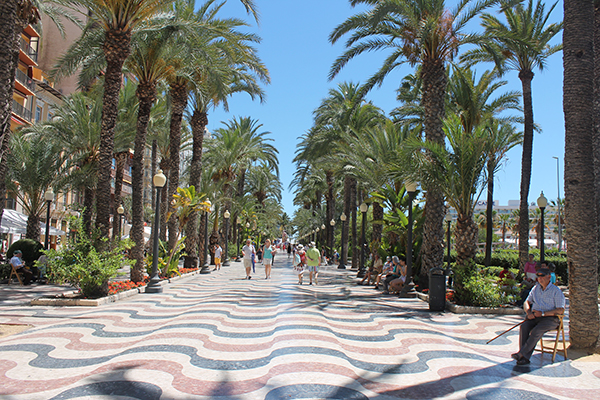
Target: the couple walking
pixel 248 251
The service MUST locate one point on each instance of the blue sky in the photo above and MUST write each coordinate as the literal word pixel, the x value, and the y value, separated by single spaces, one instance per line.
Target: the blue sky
pixel 296 50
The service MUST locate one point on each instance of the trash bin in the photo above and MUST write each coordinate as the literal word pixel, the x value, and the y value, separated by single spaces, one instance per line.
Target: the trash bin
pixel 437 289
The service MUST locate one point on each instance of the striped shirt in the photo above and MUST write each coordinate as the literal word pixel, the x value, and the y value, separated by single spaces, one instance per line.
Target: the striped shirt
pixel 546 300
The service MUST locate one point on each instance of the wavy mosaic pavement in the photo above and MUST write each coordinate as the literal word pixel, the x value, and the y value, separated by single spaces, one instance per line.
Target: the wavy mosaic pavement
pixel 220 336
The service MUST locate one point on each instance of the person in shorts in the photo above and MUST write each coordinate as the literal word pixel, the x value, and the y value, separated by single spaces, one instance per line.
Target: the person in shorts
pixel 248 253
pixel 268 253
pixel 218 253
pixel 313 258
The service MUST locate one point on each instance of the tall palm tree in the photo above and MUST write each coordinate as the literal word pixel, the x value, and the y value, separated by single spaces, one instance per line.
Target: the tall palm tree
pixel 580 200
pixel 521 44
pixel 117 19
pixel 501 138
pixel 220 69
pixel 34 166
pixel 424 33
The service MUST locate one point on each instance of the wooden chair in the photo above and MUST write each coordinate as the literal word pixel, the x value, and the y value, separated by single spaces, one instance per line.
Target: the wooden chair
pixel 14 272
pixel 553 348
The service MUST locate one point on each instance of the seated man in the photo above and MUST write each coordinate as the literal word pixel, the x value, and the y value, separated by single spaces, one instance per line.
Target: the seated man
pixel 387 268
pixel 544 303
pixel 17 262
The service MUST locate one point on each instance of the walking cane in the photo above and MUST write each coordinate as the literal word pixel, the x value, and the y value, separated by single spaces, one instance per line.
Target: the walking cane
pixel 506 331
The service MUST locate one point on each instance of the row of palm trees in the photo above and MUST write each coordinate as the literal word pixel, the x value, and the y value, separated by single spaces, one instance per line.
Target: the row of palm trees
pixel 170 48
pixel 436 138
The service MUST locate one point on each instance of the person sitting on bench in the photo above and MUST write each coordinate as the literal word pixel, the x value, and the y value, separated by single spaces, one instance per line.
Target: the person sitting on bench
pixel 17 262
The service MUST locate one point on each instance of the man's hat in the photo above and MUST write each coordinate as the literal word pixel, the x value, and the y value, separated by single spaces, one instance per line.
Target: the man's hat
pixel 312 244
pixel 543 272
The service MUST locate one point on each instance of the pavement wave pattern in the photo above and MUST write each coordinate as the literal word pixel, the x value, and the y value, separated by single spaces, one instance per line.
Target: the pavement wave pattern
pixel 220 336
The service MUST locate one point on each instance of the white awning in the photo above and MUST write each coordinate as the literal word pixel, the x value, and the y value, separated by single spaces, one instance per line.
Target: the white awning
pixel 16 223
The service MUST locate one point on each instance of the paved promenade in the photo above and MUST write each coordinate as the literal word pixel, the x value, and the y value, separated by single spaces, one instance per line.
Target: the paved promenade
pixel 220 336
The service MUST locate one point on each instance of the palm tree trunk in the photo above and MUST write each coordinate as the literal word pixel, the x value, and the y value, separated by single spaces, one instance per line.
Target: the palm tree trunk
pixel 466 239
pixel 89 200
pixel 10 28
pixel 489 212
pixel 347 199
pixel 434 78
pixel 33 227
pixel 377 226
pixel 526 78
pixel 154 162
pixel 199 121
pixel 116 49
pixel 355 249
pixel 179 94
pixel 9 53
pixel 121 159
pixel 580 191
pixel 146 93
pixel 3 168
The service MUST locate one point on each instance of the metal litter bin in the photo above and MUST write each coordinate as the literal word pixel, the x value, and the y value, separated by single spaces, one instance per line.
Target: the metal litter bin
pixel 437 289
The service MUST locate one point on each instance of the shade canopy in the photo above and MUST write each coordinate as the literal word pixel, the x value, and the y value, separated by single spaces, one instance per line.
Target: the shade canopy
pixel 16 223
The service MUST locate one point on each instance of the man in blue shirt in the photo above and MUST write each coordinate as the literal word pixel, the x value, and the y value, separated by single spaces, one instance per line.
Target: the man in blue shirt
pixel 544 303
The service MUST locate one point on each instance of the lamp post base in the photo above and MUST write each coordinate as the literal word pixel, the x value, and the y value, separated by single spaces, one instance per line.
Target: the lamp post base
pixel 226 263
pixel 361 273
pixel 205 269
pixel 153 286
pixel 341 266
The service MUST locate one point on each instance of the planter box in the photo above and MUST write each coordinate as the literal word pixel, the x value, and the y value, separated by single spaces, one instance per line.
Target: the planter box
pixel 66 301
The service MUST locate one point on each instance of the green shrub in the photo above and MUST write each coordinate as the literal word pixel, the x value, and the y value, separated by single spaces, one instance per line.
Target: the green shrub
pixel 168 261
pixel 483 292
pixel 81 265
pixel 32 250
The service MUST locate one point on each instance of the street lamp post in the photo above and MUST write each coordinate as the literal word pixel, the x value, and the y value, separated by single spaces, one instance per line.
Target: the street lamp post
pixel 153 286
pixel 226 215
pixel 120 211
pixel 542 203
pixel 330 238
pixel 205 263
pixel 559 219
pixel 448 221
pixel 48 196
pixel 363 209
pixel 411 188
pixel 316 234
pixel 344 244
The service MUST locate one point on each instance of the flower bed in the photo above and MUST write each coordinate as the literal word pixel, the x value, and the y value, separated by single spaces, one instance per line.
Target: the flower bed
pixel 121 286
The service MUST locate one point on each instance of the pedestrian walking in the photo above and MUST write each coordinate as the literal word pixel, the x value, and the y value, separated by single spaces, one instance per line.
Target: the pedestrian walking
pixel 248 253
pixel 268 254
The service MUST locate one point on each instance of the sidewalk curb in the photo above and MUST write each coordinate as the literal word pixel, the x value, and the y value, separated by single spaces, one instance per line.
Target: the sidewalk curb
pixel 476 310
pixel 47 301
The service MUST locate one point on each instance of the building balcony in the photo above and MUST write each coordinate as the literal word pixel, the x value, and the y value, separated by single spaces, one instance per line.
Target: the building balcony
pixel 21 111
pixel 27 54
pixel 24 84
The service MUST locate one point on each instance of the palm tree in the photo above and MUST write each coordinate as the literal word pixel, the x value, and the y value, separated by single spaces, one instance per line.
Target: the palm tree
pixel 117 19
pixel 34 166
pixel 504 220
pixel 501 138
pixel 424 33
pixel 520 44
pixel 582 228
pixel 263 184
pixel 220 69
pixel 458 175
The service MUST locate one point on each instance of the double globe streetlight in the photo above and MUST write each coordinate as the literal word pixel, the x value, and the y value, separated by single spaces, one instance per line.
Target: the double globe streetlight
pixel 364 207
pixel 226 215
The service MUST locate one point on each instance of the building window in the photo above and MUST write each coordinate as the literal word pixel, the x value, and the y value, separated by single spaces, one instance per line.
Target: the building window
pixel 38 114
